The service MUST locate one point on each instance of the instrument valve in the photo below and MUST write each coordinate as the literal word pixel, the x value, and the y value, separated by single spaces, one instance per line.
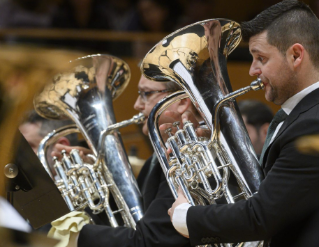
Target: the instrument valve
pixel 168 131
pixel 176 125
pixel 194 184
pixel 190 131
pixel 180 135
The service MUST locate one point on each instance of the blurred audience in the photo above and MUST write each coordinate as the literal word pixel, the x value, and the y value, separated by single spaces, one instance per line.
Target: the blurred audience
pixel 122 15
pixel 26 13
pixel 119 15
pixel 257 117
pixel 80 14
pixel 158 15
pixel 155 16
pixel 194 11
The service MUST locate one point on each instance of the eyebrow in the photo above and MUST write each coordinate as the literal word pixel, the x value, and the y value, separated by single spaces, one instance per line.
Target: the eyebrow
pixel 254 51
pixel 149 89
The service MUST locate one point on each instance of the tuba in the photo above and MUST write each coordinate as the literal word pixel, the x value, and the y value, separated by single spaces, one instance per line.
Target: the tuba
pixel 195 58
pixel 84 94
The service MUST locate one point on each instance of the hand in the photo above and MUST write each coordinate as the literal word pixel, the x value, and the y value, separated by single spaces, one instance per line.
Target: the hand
pixel 180 200
pixel 169 117
pixel 57 151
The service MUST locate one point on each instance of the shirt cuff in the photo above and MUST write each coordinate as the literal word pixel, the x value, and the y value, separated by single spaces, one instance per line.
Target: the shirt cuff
pixel 179 218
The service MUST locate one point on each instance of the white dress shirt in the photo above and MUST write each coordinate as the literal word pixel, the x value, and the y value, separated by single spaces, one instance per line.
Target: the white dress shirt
pixel 180 213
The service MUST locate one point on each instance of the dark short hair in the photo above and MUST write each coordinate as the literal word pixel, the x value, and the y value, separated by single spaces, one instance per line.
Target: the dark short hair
pixel 170 85
pixel 256 112
pixel 287 22
pixel 48 125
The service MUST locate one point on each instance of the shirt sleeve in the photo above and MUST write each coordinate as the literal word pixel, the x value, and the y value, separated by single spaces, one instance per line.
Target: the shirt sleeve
pixel 179 218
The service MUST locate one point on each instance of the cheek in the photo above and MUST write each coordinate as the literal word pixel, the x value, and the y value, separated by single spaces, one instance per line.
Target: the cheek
pixel 147 109
pixel 145 128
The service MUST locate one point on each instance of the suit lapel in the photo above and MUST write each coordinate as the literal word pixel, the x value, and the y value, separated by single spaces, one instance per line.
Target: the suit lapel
pixel 304 105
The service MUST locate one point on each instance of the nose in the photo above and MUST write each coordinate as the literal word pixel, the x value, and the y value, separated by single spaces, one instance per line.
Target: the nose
pixel 254 70
pixel 139 104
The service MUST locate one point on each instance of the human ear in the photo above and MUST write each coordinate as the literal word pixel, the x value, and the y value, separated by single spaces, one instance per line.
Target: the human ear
pixel 183 105
pixel 297 52
pixel 63 141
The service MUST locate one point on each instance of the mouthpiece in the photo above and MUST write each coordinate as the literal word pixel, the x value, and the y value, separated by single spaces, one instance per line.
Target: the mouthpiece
pixel 257 85
pixel 139 118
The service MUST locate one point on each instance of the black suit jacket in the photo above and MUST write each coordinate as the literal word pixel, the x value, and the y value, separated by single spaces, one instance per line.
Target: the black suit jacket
pixel 154 229
pixel 286 208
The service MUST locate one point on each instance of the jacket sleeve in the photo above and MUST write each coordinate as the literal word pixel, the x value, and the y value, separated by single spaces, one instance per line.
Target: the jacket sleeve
pixel 154 229
pixel 288 195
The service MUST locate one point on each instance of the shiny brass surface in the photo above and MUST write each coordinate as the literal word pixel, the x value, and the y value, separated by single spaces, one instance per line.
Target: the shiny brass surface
pixel 85 94
pixel 98 71
pixel 195 57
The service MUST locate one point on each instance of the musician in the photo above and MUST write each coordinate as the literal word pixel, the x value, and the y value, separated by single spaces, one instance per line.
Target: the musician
pixel 257 117
pixel 155 228
pixel 34 128
pixel 283 41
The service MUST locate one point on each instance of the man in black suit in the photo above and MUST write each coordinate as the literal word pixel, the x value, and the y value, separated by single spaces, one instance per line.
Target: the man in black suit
pixel 283 41
pixel 155 228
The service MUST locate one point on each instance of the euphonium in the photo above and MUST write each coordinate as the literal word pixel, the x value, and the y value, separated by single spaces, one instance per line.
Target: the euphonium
pixel 195 57
pixel 84 94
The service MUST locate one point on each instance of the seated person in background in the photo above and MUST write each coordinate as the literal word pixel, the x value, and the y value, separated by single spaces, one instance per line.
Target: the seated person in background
pixel 34 128
pixel 257 117
pixel 155 228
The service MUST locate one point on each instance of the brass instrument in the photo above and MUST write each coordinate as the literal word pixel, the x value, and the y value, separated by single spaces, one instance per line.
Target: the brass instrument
pixel 84 94
pixel 195 57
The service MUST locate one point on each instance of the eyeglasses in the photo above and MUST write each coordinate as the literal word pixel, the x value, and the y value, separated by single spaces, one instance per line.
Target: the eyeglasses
pixel 144 95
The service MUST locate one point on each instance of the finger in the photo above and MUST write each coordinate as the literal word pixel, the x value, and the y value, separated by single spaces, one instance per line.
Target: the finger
pixel 165 126
pixel 203 132
pixel 180 191
pixel 59 147
pixel 163 131
pixel 84 150
pixel 171 116
pixel 189 116
pixel 169 211
pixel 56 154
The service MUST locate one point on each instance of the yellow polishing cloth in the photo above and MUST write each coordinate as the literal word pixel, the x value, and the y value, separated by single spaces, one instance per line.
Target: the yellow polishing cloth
pixel 68 227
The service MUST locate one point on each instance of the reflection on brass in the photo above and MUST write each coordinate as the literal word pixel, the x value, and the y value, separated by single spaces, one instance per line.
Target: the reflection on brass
pixel 87 72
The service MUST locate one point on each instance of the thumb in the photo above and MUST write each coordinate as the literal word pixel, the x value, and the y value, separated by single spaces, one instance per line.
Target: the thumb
pixel 180 192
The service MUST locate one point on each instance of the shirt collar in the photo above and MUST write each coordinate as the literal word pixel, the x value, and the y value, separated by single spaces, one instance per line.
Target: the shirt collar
pixel 290 103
